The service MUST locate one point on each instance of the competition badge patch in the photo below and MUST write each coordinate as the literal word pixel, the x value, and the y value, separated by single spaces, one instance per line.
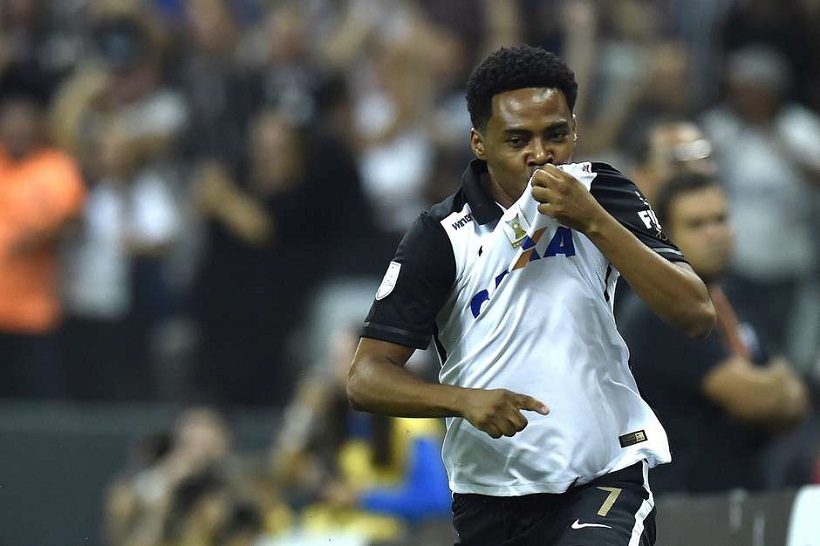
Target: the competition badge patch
pixel 516 229
pixel 389 280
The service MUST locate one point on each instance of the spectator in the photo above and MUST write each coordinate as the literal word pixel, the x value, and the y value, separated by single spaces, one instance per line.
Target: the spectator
pixel 261 225
pixel 125 509
pixel 41 190
pixel 769 159
pixel 119 94
pixel 283 70
pixel 199 510
pixel 156 496
pixel 32 47
pixel 668 147
pixel 721 399
pixel 331 167
pixel 353 472
pixel 393 51
pixel 131 219
pixel 630 49
pixel 785 27
pixel 218 90
pixel 121 84
pixel 243 526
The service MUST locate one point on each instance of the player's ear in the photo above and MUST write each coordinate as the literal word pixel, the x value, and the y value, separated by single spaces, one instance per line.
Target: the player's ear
pixel 477 144
pixel 574 128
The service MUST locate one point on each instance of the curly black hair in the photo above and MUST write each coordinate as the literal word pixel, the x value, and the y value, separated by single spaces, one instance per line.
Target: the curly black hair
pixel 512 68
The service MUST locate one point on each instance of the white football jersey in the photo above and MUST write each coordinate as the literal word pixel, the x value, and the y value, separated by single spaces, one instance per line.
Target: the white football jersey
pixel 515 300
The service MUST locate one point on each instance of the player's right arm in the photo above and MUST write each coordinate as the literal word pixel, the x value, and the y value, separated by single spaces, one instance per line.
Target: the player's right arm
pixel 402 319
pixel 379 383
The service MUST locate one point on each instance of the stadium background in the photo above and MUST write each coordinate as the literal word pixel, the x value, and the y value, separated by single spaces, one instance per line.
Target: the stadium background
pixel 262 158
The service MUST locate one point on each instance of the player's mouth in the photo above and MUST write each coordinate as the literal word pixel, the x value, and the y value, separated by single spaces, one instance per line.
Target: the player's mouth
pixel 536 167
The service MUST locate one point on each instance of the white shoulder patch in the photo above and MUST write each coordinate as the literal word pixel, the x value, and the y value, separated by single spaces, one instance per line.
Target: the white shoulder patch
pixel 389 280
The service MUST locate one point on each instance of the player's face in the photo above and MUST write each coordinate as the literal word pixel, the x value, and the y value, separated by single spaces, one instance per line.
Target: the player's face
pixel 528 128
pixel 698 224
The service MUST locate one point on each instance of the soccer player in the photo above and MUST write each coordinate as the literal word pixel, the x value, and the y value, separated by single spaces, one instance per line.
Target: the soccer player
pixel 548 440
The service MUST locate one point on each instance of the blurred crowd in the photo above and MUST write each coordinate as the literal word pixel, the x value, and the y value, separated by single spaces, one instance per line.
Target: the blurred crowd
pixel 328 474
pixel 198 196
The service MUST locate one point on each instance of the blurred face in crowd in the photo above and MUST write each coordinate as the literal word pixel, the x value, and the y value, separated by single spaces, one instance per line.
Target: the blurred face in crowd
pixel 202 436
pixel 275 152
pixel 669 75
pixel 211 25
pixel 211 511
pixel 757 103
pixel 20 127
pixel 698 224
pixel 286 27
pixel 528 128
pixel 673 148
pixel 636 20
pixel 115 156
pixel 758 78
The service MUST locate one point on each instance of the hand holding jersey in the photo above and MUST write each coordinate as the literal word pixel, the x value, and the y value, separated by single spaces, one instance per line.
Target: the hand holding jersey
pixel 565 198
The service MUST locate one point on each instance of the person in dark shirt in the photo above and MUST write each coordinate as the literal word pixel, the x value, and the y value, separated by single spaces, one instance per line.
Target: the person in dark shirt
pixel 288 219
pixel 721 398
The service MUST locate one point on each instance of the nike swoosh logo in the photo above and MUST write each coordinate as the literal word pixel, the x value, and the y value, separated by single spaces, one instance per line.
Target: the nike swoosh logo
pixel 577 525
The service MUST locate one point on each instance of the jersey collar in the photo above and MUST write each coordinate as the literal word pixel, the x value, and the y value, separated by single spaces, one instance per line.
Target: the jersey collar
pixel 474 181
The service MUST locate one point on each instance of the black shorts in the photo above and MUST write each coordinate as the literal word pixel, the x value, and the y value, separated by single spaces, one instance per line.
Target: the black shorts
pixel 615 510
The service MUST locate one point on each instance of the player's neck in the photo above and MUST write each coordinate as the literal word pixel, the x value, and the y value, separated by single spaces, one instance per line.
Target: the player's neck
pixel 501 196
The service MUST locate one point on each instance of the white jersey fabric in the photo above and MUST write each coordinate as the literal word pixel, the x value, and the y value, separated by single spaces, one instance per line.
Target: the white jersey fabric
pixel 515 300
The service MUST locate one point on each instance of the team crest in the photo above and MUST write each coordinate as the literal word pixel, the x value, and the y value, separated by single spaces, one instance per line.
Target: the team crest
pixel 389 280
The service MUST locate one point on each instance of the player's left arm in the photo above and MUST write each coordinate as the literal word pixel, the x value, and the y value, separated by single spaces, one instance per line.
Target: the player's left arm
pixel 633 246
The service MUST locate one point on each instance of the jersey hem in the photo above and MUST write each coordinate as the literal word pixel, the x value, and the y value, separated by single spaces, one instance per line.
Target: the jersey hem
pixel 552 488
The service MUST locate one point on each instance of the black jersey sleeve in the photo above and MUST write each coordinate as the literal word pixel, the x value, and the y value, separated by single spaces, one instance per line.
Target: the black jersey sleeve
pixel 407 302
pixel 622 199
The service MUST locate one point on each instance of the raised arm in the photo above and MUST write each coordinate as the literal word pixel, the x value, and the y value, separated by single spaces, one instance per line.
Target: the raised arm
pixel 671 289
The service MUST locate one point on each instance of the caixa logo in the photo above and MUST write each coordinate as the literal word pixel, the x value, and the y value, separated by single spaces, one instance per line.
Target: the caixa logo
pixel 561 243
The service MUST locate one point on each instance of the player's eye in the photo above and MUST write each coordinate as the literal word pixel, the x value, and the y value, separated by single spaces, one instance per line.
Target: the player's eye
pixel 516 141
pixel 558 136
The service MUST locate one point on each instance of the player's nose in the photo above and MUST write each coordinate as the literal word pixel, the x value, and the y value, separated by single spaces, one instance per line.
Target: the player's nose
pixel 540 155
